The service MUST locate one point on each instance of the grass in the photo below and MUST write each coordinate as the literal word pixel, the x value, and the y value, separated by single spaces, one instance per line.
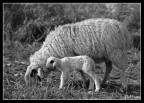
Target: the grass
pixel 15 62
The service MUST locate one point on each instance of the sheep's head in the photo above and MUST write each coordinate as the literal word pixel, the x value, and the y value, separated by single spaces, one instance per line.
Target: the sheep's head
pixel 33 75
pixel 36 74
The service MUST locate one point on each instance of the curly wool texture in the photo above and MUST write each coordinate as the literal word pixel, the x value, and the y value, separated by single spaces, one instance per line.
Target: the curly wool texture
pixel 96 38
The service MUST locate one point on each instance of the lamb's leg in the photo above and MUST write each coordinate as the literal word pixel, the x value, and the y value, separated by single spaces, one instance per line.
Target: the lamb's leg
pixel 91 85
pixel 84 79
pixel 107 72
pixel 62 79
pixel 95 79
pixel 87 68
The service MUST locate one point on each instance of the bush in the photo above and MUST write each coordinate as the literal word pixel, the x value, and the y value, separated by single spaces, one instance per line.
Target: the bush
pixel 29 23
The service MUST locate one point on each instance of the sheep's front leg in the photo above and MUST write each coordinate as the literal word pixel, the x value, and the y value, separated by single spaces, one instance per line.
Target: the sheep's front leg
pixel 62 79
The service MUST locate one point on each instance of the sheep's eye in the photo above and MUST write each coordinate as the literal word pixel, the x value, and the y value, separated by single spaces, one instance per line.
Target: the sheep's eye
pixel 51 61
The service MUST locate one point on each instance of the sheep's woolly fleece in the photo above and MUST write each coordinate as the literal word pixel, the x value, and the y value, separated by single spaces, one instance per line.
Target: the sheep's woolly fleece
pixel 93 37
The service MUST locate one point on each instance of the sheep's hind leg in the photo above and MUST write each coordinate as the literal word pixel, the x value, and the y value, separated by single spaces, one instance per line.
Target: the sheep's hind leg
pixel 123 76
pixel 120 59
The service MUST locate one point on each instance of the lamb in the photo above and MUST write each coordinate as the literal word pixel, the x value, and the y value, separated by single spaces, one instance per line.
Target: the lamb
pixel 104 40
pixel 82 64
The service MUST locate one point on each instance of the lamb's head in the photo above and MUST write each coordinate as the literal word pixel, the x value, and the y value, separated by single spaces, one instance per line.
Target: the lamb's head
pixel 52 63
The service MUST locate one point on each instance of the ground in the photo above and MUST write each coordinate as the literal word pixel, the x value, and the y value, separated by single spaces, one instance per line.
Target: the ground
pixel 15 62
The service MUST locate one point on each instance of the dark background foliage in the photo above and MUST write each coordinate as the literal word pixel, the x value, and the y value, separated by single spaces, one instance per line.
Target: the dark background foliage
pixel 32 22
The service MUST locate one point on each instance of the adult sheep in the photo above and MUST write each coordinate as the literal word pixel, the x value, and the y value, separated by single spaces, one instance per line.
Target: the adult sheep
pixel 104 40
